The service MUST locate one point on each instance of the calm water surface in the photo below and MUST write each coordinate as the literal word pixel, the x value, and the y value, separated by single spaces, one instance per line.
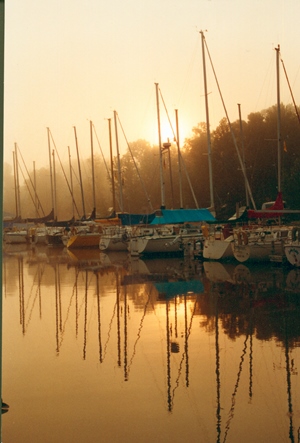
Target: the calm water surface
pixel 103 348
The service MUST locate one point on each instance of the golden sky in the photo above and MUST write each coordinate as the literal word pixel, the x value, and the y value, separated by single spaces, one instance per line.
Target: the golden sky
pixel 71 61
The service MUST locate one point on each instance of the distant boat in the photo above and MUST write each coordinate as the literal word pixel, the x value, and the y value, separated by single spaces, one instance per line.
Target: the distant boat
pixel 163 239
pixel 17 236
pixel 169 231
pixel 115 238
pixel 217 242
pixel 292 248
pixel 87 236
pixel 260 243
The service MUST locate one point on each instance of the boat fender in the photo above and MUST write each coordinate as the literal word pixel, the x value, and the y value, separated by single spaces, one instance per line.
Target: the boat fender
pixel 245 237
pixel 242 238
pixel 295 234
pixel 204 229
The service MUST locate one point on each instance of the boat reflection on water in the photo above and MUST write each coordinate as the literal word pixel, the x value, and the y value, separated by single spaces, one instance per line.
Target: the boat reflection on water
pixel 213 347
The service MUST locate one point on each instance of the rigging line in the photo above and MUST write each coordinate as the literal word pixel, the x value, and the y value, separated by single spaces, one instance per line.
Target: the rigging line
pixel 139 331
pixel 99 316
pixel 288 379
pixel 34 280
pixel 189 71
pixel 69 187
pixel 28 189
pixel 184 354
pixel 80 271
pixel 66 319
pixel 181 158
pixel 21 293
pixel 32 184
pixel 231 130
pixel 31 310
pixel 292 95
pixel 218 378
pixel 34 300
pixel 105 164
pixel 109 331
pixel 266 85
pixel 137 170
pixel 231 411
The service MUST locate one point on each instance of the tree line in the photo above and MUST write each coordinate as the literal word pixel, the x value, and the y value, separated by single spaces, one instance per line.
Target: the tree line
pixel 140 187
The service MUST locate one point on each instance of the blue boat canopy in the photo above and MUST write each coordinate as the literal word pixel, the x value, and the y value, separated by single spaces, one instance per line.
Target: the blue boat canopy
pixel 171 289
pixel 128 219
pixel 173 216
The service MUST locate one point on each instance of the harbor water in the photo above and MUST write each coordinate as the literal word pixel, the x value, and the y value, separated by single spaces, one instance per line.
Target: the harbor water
pixel 109 348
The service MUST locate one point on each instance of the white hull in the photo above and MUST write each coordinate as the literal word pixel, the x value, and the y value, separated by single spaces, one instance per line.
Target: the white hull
pixel 115 238
pixel 16 237
pixel 152 245
pixel 292 253
pixel 217 249
pixel 259 244
pixel 162 239
pixel 257 252
pixel 113 244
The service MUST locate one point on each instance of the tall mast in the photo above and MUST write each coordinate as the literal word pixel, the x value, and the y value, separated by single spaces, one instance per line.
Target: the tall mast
pixel 162 181
pixel 80 177
pixel 71 182
pixel 212 203
pixel 93 169
pixel 50 168
pixel 243 153
pixel 119 164
pixel 35 194
pixel 179 159
pixel 17 181
pixel 112 167
pixel 54 182
pixel 278 118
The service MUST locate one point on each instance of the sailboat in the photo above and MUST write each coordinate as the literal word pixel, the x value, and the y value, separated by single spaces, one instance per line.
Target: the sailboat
pixel 171 229
pixel 265 243
pixel 292 247
pixel 217 238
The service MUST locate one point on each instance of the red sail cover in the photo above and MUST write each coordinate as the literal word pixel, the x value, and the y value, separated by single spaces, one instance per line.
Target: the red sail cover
pixel 271 212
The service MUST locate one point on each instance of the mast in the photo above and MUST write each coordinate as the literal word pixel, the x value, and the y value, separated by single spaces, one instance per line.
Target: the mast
pixel 79 169
pixel 35 194
pixel 112 167
pixel 93 169
pixel 71 182
pixel 278 117
pixel 119 164
pixel 179 160
pixel 212 203
pixel 230 127
pixel 50 168
pixel 243 153
pixel 54 182
pixel 162 181
pixel 17 181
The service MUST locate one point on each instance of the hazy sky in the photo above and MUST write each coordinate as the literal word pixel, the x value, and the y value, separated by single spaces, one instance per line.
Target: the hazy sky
pixel 71 61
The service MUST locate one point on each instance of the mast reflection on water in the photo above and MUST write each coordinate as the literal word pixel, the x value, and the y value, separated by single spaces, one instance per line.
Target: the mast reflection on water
pixel 172 347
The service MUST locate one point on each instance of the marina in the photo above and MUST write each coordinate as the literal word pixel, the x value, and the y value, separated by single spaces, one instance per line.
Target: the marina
pixel 135 306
